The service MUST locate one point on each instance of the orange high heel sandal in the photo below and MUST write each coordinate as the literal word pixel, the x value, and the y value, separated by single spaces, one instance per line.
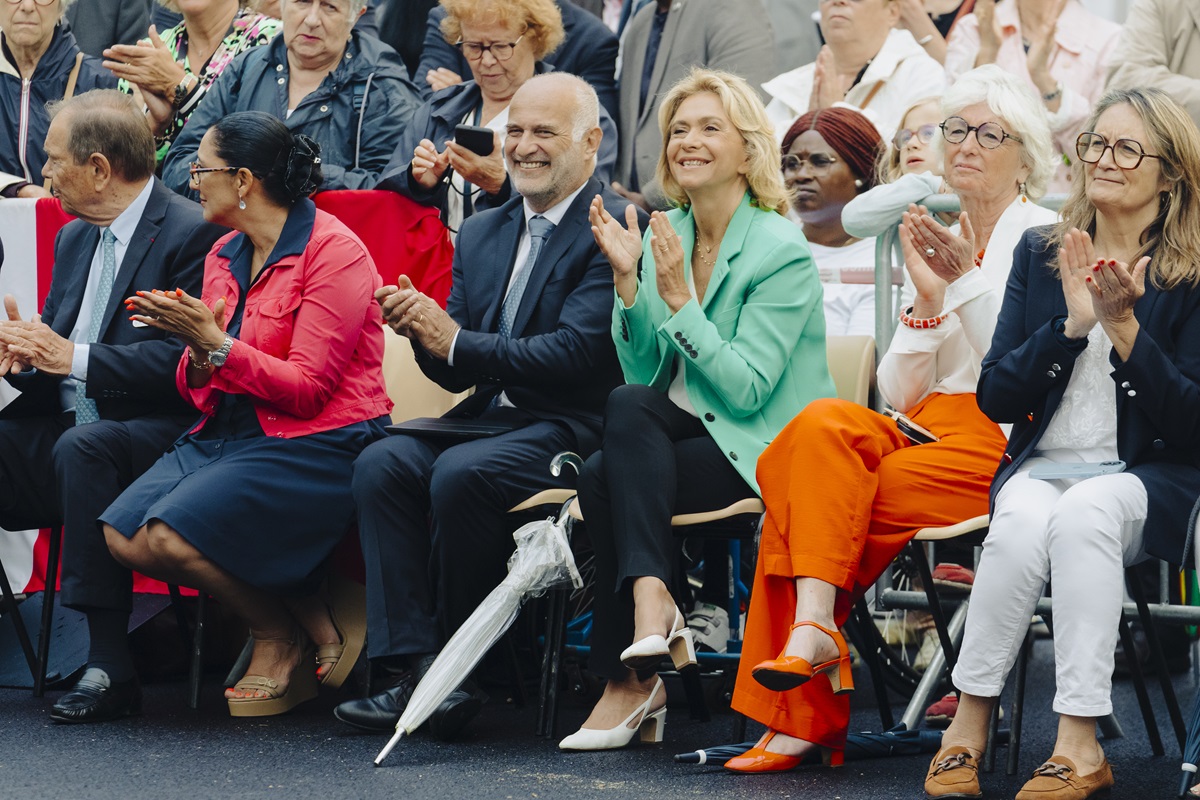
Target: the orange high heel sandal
pixel 759 759
pixel 788 672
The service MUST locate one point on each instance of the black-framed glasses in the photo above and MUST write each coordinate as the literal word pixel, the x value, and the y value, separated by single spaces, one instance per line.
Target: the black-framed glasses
pixel 38 2
pixel 924 135
pixel 1126 153
pixel 989 135
pixel 819 163
pixel 501 51
pixel 195 171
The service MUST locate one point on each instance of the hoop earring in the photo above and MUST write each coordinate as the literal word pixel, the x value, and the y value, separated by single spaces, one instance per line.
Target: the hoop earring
pixel 241 204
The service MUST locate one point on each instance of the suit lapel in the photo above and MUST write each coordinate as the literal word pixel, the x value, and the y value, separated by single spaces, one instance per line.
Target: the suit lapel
pixel 68 312
pixel 561 239
pixel 507 238
pixel 135 254
pixel 661 60
pixel 731 246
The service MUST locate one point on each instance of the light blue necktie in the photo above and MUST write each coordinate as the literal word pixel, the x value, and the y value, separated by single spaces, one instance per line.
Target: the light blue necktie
pixel 539 232
pixel 85 407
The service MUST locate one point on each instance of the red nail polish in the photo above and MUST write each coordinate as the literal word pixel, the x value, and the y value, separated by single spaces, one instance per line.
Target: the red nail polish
pixel 1089 278
pixel 141 294
pixel 1096 268
pixel 1112 263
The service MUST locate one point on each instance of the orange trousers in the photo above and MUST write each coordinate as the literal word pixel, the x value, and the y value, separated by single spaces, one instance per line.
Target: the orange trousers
pixel 845 491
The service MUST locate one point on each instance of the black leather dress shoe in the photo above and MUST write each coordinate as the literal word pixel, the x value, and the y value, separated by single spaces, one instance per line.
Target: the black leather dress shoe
pixel 96 699
pixel 381 711
pixel 452 714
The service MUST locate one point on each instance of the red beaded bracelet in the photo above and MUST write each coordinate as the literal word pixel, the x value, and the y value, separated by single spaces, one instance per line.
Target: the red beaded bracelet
pixel 921 324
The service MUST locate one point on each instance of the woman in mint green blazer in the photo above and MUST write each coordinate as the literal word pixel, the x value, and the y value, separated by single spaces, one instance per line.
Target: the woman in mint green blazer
pixel 719 328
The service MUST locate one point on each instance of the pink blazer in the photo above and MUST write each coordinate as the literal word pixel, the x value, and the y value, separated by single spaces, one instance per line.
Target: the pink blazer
pixel 310 351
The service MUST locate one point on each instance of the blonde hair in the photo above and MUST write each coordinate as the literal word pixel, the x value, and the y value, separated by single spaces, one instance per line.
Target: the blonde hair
pixel 1174 236
pixel 889 166
pixel 541 20
pixel 745 110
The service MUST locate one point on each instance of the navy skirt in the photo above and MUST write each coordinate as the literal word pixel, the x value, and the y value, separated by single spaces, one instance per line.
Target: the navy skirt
pixel 265 509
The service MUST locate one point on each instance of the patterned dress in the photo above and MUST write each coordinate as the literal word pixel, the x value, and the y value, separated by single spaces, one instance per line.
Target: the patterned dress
pixel 248 30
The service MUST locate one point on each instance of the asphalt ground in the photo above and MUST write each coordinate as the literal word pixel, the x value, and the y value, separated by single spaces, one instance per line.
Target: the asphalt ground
pixel 170 751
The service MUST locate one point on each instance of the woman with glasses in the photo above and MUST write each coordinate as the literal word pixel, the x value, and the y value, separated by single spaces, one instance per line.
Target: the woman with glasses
pixel 40 62
pixel 1095 363
pixel 829 158
pixel 503 42
pixel 284 362
pixel 846 488
pixel 347 91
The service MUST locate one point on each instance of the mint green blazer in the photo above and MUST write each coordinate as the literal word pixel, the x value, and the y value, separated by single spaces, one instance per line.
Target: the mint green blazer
pixel 753 350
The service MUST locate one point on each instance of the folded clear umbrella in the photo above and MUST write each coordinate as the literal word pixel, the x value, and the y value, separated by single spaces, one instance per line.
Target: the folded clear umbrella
pixel 542 561
pixel 896 742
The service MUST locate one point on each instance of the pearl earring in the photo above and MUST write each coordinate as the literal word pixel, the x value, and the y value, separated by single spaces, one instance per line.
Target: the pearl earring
pixel 857 183
pixel 241 204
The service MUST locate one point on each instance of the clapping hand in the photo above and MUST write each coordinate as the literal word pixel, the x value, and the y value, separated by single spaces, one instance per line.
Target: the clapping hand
pixel 441 77
pixel 32 344
pixel 418 317
pixel 1116 288
pixel 989 32
pixel 621 245
pixel 8 360
pixel 949 255
pixel 1076 259
pixel 668 262
pixel 147 64
pixel 828 87
pixel 177 312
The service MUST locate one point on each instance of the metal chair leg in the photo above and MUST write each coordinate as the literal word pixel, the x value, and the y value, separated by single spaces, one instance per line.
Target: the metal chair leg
pixel 1018 706
pixel 197 666
pixel 1160 661
pixel 9 603
pixel 862 616
pixel 1139 688
pixel 989 752
pixel 51 581
pixel 935 605
pixel 551 663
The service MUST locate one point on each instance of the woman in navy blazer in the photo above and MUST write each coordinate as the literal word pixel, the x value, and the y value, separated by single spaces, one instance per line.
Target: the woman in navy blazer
pixel 1095 359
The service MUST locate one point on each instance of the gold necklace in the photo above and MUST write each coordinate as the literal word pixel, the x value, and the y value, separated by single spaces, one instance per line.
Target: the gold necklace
pixel 706 256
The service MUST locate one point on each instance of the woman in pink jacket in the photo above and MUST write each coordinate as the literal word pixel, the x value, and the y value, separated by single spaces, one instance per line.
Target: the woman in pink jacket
pixel 284 359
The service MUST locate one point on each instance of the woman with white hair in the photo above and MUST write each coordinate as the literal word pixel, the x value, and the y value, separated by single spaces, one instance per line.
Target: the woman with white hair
pixel 349 92
pixel 846 488
pixel 39 62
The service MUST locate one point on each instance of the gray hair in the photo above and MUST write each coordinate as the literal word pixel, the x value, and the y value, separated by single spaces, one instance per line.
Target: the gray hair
pixel 356 8
pixel 1009 98
pixel 587 104
pixel 111 123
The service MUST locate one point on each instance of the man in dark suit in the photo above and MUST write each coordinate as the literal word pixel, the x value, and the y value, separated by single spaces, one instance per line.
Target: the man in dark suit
pixel 99 24
pixel 528 324
pixel 589 51
pixel 98 404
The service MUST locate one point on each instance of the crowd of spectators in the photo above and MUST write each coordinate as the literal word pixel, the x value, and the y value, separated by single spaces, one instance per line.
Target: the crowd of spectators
pixel 660 209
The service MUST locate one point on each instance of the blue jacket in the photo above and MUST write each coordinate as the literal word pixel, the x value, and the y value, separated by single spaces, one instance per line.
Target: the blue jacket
pixel 436 121
pixel 1026 371
pixel 357 113
pixel 22 105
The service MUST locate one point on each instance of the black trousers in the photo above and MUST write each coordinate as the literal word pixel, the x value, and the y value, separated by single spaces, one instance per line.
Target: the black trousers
pixel 434 527
pixel 656 461
pixel 53 472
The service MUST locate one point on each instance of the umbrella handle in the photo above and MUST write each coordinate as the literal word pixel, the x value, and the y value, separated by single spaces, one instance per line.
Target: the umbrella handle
pixel 388 747
pixel 565 457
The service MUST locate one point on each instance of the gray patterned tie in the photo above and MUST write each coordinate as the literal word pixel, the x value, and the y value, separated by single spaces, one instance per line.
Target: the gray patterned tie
pixel 539 232
pixel 85 407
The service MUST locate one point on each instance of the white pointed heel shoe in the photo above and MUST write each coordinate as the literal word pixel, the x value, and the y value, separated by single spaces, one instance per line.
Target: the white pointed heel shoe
pixel 649 726
pixel 646 653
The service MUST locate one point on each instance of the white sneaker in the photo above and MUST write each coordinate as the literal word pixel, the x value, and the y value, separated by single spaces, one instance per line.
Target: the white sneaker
pixel 710 625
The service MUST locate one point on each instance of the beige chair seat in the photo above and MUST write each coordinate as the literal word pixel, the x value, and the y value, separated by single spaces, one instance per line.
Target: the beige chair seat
pixel 953 531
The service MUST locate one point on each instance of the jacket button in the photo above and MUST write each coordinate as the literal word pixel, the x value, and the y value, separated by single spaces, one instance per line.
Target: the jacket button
pixel 1007 458
pixel 324 109
pixel 1055 367
pixel 1159 444
pixel 279 67
pixel 281 81
pixel 709 417
pixel 693 354
pixel 679 335
pixel 732 456
pixel 1131 393
pixel 1125 385
pixel 1051 373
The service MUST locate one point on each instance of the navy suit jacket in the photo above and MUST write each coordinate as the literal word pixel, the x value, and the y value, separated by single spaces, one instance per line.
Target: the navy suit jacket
pixel 560 362
pixel 588 50
pixel 131 371
pixel 1026 371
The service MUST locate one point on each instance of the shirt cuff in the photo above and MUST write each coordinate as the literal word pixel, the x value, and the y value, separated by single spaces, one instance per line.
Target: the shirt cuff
pixel 453 342
pixel 79 362
pixel 965 289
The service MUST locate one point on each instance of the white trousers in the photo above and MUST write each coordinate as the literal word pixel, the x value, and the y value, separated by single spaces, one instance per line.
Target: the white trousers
pixel 1079 534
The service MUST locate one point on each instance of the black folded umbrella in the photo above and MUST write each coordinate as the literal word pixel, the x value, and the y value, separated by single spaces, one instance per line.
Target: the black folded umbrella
pixel 899 741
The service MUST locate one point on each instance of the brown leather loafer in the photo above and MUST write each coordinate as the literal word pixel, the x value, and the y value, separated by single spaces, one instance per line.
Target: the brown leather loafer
pixel 954 772
pixel 1058 780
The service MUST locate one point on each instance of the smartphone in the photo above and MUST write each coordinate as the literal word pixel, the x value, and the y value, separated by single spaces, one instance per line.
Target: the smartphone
pixel 915 433
pixel 477 139
pixel 1079 469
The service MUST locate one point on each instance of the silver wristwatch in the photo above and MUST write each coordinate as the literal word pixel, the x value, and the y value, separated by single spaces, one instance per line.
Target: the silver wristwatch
pixel 217 357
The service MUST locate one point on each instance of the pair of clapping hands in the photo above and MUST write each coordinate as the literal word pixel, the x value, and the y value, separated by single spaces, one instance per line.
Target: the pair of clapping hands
pixel 1095 290
pixel 622 246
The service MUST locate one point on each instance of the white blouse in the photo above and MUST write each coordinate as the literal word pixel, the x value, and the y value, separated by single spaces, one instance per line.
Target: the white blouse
pixel 1086 419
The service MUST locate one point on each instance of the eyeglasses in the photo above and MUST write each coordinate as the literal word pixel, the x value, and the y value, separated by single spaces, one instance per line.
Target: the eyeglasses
pixel 195 170
pixel 1126 153
pixel 501 51
pixel 924 135
pixel 989 135
pixel 38 2
pixel 819 163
